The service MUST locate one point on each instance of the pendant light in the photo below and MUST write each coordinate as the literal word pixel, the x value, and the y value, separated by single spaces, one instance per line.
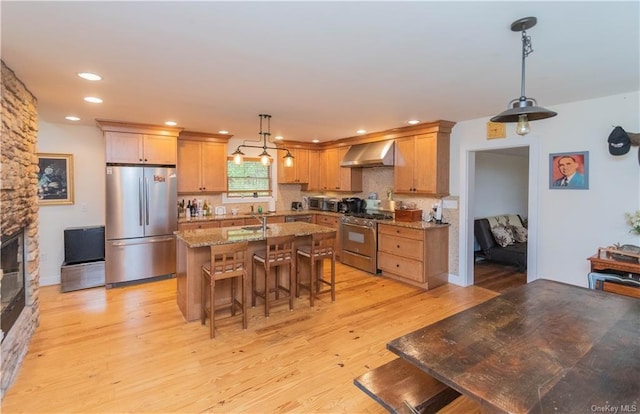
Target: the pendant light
pixel 265 158
pixel 523 109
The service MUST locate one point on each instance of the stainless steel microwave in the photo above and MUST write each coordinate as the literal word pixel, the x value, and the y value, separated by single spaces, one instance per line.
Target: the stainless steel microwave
pixel 317 203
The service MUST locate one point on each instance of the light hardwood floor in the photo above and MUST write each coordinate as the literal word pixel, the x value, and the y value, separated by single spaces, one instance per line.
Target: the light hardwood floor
pixel 130 350
pixel 497 277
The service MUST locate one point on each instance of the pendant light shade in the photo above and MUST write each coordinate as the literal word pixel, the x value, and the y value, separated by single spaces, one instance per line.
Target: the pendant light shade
pixel 523 109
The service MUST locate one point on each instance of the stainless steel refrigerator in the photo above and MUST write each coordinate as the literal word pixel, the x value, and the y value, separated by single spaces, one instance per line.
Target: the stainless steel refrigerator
pixel 141 216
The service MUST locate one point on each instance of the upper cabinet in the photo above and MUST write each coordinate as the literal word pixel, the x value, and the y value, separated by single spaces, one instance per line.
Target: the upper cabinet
pixel 299 172
pixel 314 171
pixel 202 162
pixel 422 164
pixel 336 178
pixel 128 143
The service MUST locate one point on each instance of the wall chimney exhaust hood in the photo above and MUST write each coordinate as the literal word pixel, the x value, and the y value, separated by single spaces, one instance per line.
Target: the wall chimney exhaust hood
pixel 372 154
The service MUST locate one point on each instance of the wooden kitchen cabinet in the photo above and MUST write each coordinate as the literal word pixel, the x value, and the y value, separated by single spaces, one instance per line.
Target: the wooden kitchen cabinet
pixel 202 163
pixel 128 148
pixel 422 164
pixel 336 178
pixel 299 172
pixel 333 222
pixel 416 256
pixel 314 171
pixel 129 143
pixel 212 224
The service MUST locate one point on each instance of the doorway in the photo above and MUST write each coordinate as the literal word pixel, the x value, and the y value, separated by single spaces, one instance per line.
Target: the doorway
pixel 489 183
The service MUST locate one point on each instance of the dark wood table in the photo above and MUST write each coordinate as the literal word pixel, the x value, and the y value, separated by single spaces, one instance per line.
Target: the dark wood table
pixel 545 347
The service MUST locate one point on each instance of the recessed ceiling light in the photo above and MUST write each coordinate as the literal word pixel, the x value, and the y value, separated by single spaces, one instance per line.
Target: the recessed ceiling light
pixel 90 76
pixel 361 131
pixel 93 99
pixel 171 123
pixel 223 132
pixel 71 118
pixel 278 137
pixel 413 122
pixel 315 141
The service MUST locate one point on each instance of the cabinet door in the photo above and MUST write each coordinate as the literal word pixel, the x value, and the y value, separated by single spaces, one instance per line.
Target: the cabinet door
pixel 123 147
pixel 301 165
pixel 332 169
pixel 324 172
pixel 426 163
pixel 159 149
pixel 350 178
pixel 404 165
pixel 214 167
pixel 288 175
pixel 314 171
pixel 189 166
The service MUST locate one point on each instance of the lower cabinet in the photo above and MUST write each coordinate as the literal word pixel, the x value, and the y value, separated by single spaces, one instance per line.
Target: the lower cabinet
pixel 414 255
pixel 334 223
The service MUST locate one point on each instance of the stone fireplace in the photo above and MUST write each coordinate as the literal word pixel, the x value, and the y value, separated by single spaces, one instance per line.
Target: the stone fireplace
pixel 18 215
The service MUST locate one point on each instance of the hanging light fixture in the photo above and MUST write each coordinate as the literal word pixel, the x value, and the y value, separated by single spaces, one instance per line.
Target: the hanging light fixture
pixel 265 158
pixel 523 109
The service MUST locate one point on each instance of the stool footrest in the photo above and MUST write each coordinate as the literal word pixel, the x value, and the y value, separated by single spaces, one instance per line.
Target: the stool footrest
pixel 398 385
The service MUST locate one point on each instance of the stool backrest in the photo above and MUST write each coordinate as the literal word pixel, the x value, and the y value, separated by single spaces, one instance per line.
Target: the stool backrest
pixel 228 258
pixel 280 249
pixel 323 244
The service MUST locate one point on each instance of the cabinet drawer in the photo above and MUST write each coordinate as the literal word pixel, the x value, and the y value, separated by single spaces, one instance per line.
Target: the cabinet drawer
pixel 232 222
pixel 415 234
pixel 327 221
pixel 402 246
pixel 195 226
pixel 401 266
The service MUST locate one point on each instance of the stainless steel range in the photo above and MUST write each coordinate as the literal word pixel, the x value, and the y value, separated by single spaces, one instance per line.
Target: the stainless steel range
pixel 359 232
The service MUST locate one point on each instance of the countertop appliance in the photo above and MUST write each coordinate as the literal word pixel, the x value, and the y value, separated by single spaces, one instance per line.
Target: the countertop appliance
pixel 359 235
pixel 354 205
pixel 317 202
pixel 296 205
pixel 141 216
pixel 331 204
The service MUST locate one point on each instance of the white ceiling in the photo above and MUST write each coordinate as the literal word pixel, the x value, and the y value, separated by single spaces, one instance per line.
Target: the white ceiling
pixel 322 69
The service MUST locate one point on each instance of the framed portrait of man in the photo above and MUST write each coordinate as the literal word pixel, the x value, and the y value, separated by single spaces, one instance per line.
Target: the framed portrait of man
pixel 55 179
pixel 569 170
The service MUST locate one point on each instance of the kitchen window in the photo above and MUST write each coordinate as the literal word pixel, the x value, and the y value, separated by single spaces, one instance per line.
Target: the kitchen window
pixel 249 179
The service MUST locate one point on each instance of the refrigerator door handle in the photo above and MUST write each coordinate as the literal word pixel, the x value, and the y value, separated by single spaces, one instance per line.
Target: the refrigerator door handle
pixel 145 241
pixel 146 200
pixel 140 196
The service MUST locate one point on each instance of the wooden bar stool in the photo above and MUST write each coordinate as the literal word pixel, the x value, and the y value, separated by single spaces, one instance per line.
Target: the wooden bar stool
pixel 227 262
pixel 322 247
pixel 278 253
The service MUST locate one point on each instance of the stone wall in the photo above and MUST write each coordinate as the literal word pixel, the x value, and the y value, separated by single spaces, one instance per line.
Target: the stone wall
pixel 19 209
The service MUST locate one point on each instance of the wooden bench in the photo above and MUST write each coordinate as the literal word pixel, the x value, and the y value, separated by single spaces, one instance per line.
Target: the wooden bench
pixel 403 388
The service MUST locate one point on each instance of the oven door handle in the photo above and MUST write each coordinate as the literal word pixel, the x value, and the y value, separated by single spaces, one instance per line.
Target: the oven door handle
pixel 357 226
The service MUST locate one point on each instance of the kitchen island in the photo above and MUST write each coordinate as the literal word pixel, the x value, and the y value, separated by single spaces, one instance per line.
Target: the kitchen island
pixel 193 250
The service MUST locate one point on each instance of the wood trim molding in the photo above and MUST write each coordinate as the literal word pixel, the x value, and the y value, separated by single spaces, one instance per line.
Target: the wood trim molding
pixel 440 126
pixel 204 136
pixel 120 126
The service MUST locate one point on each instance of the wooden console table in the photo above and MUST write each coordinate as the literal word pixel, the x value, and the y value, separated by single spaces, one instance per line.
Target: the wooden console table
pixel 604 261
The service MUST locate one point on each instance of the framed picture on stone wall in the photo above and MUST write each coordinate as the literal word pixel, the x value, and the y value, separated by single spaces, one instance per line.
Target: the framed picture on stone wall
pixel 55 179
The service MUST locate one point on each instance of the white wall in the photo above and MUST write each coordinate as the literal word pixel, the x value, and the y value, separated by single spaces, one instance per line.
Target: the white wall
pixel 87 146
pixel 501 185
pixel 572 223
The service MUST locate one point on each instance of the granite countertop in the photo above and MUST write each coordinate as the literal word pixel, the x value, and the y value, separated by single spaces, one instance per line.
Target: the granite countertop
pixel 421 225
pixel 227 235
pixel 219 217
